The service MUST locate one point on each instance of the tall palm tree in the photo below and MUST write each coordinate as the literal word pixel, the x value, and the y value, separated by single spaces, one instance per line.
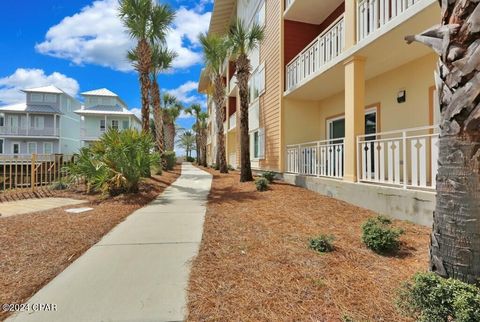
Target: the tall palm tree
pixel 162 59
pixel 241 41
pixel 148 23
pixel 171 111
pixel 187 142
pixel 200 128
pixel 455 240
pixel 195 110
pixel 215 53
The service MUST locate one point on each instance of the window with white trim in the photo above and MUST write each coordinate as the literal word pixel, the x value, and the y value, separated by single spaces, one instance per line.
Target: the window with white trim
pixel 102 125
pixel 1 146
pixel 2 119
pixel 260 15
pixel 15 148
pixel 115 124
pixel 47 148
pixel 257 83
pixel 38 122
pixel 50 98
pixel 36 97
pixel 125 124
pixel 31 147
pixel 257 144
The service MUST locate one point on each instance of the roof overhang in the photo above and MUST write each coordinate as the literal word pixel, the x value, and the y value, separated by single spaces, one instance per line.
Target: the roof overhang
pixel 221 16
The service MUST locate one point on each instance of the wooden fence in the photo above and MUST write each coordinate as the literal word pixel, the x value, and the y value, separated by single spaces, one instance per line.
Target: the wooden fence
pixel 32 171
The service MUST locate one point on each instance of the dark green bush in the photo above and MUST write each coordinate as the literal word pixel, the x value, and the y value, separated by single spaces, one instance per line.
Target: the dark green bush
pixel 261 184
pixel 230 168
pixel 322 243
pixel 116 163
pixel 379 235
pixel 190 159
pixel 215 166
pixel 269 175
pixel 429 297
pixel 60 184
pixel 170 159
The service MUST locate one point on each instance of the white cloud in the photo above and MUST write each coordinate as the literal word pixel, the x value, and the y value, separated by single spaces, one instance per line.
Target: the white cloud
pixel 22 78
pixel 137 111
pixel 96 35
pixel 188 95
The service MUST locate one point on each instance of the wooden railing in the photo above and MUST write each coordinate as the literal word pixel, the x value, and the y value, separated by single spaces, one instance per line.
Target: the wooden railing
pixel 31 171
pixel 319 158
pixel 406 158
pixel 373 14
pixel 320 51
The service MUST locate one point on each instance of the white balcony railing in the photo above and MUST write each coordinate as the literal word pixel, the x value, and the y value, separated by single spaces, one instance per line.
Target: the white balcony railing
pixel 320 158
pixel 323 49
pixel 373 14
pixel 232 84
pixel 406 158
pixel 233 121
pixel 23 131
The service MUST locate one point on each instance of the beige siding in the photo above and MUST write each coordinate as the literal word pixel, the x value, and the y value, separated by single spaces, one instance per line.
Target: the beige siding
pixel 270 102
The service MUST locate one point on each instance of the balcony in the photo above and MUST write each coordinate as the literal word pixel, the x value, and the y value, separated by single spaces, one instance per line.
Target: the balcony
pixel 232 86
pixel 233 121
pixel 374 14
pixel 406 158
pixel 319 52
pixel 29 132
pixel 319 158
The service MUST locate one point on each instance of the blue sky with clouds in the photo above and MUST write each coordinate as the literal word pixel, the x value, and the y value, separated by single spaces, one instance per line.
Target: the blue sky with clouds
pixel 80 45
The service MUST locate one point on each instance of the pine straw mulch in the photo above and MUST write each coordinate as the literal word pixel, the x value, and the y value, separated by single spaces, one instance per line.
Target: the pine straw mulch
pixel 36 247
pixel 254 262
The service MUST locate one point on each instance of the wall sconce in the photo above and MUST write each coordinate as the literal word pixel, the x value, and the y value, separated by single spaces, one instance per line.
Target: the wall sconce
pixel 402 96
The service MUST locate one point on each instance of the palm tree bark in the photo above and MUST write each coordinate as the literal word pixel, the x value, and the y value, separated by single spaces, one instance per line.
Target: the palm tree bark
pixel 243 74
pixel 144 62
pixel 169 136
pixel 157 116
pixel 219 99
pixel 455 240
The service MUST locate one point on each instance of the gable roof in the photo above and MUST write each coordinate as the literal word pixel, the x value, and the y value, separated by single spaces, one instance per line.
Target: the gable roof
pixel 100 92
pixel 106 110
pixel 44 89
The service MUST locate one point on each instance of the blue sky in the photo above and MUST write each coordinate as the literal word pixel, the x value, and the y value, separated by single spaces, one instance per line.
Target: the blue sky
pixel 80 45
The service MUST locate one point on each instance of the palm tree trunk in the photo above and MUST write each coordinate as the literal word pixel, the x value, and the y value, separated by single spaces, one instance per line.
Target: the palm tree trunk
pixel 455 240
pixel 219 98
pixel 169 136
pixel 243 74
pixel 197 140
pixel 157 116
pixel 144 63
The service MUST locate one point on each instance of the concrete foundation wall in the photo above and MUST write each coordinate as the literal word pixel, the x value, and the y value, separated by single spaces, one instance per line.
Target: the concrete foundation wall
pixel 414 206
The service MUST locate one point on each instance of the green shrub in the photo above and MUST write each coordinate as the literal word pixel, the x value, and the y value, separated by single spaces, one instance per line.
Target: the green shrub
pixel 215 166
pixel 429 297
pixel 379 236
pixel 116 163
pixel 322 243
pixel 230 168
pixel 261 184
pixel 269 175
pixel 60 184
pixel 170 159
pixel 190 159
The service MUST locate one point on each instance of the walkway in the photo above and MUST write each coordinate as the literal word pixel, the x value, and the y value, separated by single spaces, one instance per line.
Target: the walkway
pixel 20 207
pixel 139 271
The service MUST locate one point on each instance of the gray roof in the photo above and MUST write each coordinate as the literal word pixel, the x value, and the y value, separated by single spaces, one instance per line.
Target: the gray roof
pixel 42 109
pixel 105 108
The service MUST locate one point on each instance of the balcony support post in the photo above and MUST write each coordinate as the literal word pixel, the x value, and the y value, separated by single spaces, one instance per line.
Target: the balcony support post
pixel 354 112
pixel 350 23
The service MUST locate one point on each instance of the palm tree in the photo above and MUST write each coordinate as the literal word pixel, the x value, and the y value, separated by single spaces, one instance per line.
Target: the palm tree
pixel 455 240
pixel 162 59
pixel 241 41
pixel 147 23
pixel 201 129
pixel 195 111
pixel 171 111
pixel 215 54
pixel 187 142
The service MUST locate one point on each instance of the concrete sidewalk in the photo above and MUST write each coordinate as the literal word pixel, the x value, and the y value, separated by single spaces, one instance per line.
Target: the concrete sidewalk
pixel 139 271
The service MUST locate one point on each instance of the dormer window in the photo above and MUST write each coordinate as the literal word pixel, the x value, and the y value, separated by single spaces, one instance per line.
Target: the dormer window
pixel 36 97
pixel 50 98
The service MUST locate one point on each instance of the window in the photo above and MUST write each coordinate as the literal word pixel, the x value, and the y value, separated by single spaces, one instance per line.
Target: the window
pixel 260 15
pixel 38 122
pixel 31 147
pixel 50 98
pixel 93 100
pixel 2 119
pixel 15 148
pixel 257 83
pixel 336 126
pixel 125 124
pixel 257 144
pixel 1 146
pixel 115 124
pixel 36 97
pixel 47 148
pixel 106 101
pixel 102 125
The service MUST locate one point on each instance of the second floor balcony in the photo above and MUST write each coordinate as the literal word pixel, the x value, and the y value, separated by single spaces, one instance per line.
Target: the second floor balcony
pixel 29 131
